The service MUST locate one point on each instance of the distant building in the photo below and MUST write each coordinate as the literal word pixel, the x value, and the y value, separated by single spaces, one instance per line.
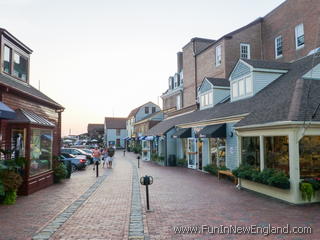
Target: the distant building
pixel 137 115
pixel 95 131
pixel 115 131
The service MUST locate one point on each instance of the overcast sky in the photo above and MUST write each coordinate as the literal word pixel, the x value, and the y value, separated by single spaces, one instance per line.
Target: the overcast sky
pixel 101 58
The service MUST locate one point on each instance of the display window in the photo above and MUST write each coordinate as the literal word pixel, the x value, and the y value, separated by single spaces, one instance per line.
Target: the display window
pixel 250 151
pixel 40 151
pixel 309 151
pixel 276 153
pixel 217 151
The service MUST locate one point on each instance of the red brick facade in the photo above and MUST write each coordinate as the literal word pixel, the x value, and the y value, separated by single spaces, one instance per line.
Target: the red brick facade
pixel 199 54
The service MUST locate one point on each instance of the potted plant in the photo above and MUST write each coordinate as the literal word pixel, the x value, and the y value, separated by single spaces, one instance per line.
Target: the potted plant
pixel 60 172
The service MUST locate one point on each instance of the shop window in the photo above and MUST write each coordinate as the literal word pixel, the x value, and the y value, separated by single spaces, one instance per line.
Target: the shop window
pixel 309 149
pixel 40 151
pixel 276 153
pixel 250 151
pixel 18 141
pixel 217 151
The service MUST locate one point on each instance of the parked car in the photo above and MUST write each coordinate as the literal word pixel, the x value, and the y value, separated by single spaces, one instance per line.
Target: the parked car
pixel 78 152
pixel 77 162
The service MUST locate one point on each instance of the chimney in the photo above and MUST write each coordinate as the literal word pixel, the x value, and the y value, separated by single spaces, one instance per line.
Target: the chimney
pixel 179 62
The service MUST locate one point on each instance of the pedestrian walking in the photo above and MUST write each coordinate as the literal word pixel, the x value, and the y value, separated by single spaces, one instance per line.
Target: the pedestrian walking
pixel 96 156
pixel 110 155
pixel 105 158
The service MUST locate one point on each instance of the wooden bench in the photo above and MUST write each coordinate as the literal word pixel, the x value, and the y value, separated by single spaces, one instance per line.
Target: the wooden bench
pixel 227 173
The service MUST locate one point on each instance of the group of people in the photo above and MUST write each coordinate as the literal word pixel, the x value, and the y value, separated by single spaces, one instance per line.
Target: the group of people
pixel 104 154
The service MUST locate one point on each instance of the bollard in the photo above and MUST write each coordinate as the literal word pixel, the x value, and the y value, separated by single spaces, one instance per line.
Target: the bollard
pixel 147 180
pixel 97 168
pixel 138 161
pixel 124 152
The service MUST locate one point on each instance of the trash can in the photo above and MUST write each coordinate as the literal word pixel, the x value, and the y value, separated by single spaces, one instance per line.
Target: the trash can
pixel 172 160
pixel 67 163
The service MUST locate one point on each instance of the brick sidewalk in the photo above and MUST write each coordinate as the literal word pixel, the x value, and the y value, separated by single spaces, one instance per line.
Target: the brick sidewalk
pixel 30 213
pixel 184 197
pixel 105 215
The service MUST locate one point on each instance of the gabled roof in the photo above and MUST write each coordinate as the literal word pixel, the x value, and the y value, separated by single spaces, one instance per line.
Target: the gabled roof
pixel 115 123
pixel 267 64
pixel 219 82
pixel 288 98
pixel 26 88
pixel 136 110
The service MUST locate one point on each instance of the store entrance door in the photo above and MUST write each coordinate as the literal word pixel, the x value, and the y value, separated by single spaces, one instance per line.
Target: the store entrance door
pixel 192 153
pixel 200 143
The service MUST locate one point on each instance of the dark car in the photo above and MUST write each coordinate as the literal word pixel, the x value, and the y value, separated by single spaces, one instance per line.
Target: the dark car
pixel 77 163
pixel 78 152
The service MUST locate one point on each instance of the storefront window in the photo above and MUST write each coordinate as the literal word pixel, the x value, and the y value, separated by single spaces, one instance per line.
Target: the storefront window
pixel 40 151
pixel 250 151
pixel 184 147
pixel 276 153
pixel 309 149
pixel 217 150
pixel 18 141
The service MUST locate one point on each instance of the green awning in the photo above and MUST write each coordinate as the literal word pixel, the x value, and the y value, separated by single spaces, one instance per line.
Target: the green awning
pixel 213 131
pixel 182 133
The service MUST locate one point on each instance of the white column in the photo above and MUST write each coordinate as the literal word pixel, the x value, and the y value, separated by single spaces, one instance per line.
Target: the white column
pixel 261 138
pixel 294 167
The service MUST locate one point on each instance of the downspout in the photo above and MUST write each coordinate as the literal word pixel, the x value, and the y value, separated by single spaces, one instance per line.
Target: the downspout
pixel 195 70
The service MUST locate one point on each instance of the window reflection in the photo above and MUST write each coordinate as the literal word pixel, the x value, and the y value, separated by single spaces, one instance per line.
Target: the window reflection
pixel 309 149
pixel 277 153
pixel 40 151
pixel 250 152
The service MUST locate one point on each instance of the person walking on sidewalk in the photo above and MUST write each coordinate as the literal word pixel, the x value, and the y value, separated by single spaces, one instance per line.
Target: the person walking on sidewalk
pixel 96 156
pixel 110 155
pixel 105 157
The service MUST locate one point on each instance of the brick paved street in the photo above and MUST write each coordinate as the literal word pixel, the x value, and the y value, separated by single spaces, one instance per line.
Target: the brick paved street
pixel 179 197
pixel 183 197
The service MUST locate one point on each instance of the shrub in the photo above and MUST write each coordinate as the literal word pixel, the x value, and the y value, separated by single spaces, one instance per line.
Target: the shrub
pixel 307 191
pixel 211 169
pixel 267 176
pixel 60 172
pixel 10 197
pixel 154 157
pixel 314 182
pixel 11 180
pixel 280 180
pixel 182 162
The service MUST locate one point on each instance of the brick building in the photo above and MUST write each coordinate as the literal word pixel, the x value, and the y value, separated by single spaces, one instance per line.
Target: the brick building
pixel 287 33
pixel 34 131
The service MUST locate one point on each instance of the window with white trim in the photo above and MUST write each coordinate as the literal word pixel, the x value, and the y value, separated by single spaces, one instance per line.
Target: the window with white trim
pixel 245 50
pixel 218 55
pixel 241 87
pixel 178 102
pixel 278 44
pixel 299 33
pixel 206 99
pixel 248 85
pixel 235 89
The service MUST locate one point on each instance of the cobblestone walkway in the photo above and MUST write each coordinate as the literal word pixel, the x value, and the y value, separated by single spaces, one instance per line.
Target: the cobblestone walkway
pixel 136 227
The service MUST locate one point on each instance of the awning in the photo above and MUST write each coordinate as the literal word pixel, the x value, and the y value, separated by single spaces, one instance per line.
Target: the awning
pixel 213 131
pixel 182 133
pixel 142 138
pixel 149 138
pixel 6 112
pixel 25 116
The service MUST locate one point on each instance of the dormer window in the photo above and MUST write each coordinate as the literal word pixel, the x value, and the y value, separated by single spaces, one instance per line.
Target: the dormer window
pixel 15 61
pixel 20 66
pixel 242 87
pixel 7 53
